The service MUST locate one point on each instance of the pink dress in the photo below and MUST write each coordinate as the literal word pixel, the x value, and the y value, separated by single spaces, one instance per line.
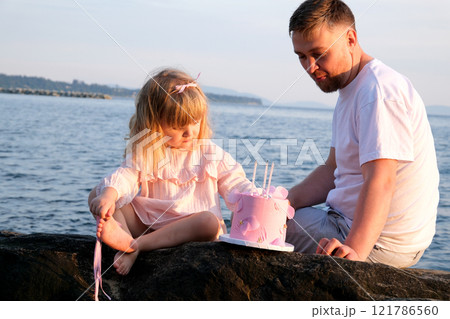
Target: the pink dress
pixel 190 182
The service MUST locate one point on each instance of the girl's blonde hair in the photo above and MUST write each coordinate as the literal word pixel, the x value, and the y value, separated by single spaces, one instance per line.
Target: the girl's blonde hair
pixel 160 103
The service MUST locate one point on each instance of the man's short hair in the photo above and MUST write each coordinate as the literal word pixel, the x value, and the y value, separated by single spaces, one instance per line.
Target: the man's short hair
pixel 315 13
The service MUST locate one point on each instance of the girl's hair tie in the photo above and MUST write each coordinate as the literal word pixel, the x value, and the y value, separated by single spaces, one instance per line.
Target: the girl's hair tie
pixel 181 88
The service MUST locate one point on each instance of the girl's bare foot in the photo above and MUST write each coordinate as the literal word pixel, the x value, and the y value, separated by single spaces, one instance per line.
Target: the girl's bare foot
pixel 124 261
pixel 114 236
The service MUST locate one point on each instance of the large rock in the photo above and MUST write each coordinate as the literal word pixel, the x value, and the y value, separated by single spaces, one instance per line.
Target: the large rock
pixel 59 267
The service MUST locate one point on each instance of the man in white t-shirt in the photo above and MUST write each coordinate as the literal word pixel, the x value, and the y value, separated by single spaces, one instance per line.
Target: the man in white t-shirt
pixel 380 180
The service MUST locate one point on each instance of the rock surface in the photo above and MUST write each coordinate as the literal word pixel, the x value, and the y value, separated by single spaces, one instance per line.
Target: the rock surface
pixel 59 267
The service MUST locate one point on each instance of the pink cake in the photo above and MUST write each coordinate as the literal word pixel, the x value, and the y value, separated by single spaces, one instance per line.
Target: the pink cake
pixel 261 219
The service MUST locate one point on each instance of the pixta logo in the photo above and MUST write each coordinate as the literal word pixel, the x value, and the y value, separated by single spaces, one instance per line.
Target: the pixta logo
pixel 140 150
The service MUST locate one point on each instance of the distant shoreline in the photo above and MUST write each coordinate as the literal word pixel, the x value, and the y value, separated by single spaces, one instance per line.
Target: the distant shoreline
pixel 211 96
pixel 31 85
pixel 56 93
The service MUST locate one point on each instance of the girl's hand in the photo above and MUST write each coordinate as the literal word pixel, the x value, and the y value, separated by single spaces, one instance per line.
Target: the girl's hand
pixel 104 205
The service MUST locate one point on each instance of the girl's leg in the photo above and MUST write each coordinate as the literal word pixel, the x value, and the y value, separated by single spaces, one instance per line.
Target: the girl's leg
pixel 92 195
pixel 115 233
pixel 124 261
pixel 118 232
pixel 203 226
pixel 132 222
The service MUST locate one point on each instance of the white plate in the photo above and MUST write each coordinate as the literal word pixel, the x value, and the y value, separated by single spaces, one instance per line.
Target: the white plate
pixel 226 238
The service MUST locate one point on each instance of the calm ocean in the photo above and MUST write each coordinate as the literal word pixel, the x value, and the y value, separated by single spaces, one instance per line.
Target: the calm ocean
pixel 54 150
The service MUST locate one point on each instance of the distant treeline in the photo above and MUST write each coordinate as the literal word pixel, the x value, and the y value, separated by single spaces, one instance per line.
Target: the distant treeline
pixel 233 99
pixel 55 93
pixel 38 83
pixel 29 84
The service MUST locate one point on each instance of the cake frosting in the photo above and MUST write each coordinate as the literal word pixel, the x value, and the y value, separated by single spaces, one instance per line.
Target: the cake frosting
pixel 260 216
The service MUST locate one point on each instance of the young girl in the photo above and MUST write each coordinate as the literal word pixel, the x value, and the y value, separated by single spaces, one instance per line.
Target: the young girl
pixel 166 193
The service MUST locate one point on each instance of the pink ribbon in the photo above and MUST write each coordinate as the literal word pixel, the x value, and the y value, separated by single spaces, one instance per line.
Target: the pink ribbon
pixel 98 266
pixel 181 88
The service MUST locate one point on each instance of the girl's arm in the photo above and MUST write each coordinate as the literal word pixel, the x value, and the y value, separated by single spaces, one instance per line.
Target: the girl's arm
pixel 117 189
pixel 231 176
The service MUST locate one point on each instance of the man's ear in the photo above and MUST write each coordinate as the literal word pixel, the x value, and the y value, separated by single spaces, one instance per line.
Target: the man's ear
pixel 352 39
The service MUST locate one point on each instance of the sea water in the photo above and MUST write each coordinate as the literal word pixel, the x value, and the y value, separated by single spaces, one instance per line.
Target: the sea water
pixel 54 150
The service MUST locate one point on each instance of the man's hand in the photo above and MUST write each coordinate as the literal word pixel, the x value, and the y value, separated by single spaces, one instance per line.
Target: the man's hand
pixel 334 247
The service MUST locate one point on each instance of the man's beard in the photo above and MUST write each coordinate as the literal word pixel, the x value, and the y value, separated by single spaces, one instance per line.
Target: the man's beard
pixel 331 84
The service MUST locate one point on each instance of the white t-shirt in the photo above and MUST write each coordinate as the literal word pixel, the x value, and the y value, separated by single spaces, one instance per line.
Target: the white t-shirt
pixel 379 115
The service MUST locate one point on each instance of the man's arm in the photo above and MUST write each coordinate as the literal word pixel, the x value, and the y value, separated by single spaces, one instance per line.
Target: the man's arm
pixel 371 212
pixel 315 187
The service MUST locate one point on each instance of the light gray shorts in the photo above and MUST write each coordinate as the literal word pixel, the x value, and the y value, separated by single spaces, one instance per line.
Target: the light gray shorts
pixel 310 225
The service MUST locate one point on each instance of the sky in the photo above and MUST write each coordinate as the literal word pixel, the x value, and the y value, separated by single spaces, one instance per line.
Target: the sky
pixel 243 45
